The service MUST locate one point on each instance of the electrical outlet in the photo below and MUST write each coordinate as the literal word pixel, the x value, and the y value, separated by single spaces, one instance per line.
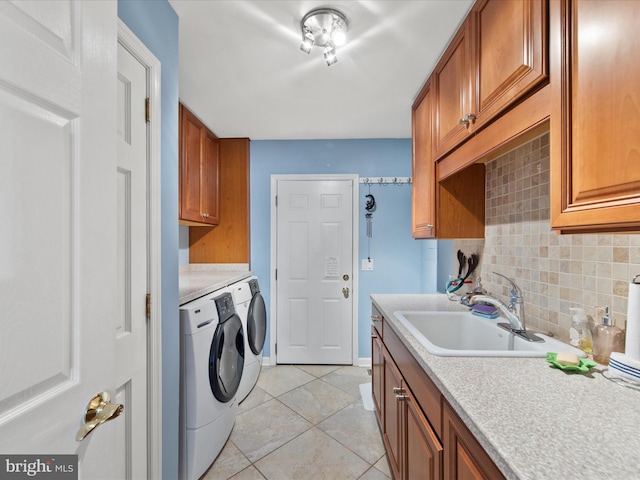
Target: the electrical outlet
pixel 367 264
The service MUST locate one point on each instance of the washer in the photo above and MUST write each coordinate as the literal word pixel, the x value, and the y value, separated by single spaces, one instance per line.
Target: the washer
pixel 212 364
pixel 250 307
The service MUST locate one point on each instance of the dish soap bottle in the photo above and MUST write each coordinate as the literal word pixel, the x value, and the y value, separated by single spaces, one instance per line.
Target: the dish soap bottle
pixel 579 333
pixel 607 338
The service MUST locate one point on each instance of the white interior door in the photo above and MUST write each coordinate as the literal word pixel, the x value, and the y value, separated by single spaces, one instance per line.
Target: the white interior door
pixel 314 265
pixel 132 236
pixel 58 246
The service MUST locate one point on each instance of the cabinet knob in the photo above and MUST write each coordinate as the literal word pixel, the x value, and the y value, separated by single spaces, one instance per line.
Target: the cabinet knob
pixel 402 397
pixel 397 390
pixel 205 215
pixel 468 119
pixel 376 318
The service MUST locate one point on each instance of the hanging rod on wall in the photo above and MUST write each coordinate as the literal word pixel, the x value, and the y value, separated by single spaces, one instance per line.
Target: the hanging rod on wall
pixel 385 180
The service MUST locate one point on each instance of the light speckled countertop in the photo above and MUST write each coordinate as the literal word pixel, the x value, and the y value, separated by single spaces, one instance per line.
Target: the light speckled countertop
pixel 534 421
pixel 199 279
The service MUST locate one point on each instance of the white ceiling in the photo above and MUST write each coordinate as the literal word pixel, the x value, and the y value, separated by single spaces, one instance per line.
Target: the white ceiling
pixel 243 74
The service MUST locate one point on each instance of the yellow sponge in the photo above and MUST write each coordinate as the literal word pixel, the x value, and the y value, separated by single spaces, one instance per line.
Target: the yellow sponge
pixel 566 358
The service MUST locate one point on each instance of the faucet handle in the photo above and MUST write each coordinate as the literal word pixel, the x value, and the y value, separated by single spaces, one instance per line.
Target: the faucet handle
pixel 515 291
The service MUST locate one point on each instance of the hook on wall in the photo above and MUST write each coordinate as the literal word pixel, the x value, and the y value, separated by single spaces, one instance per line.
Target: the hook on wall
pixel 385 180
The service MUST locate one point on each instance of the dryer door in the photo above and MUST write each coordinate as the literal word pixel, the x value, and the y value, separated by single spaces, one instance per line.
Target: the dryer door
pixel 226 359
pixel 257 323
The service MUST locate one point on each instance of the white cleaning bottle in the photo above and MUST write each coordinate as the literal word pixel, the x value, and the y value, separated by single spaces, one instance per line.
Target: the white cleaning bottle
pixel 579 333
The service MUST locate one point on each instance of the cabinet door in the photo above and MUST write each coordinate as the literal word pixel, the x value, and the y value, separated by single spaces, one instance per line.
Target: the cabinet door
pixel 595 118
pixel 377 366
pixel 209 172
pixel 452 87
pixel 509 41
pixel 191 130
pixel 464 457
pixel 423 451
pixel 391 413
pixel 423 168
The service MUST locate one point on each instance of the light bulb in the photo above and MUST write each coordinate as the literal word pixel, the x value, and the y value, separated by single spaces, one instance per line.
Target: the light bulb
pixel 330 54
pixel 307 41
pixel 339 37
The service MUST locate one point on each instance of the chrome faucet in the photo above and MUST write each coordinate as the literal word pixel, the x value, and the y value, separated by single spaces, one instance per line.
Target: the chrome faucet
pixel 514 312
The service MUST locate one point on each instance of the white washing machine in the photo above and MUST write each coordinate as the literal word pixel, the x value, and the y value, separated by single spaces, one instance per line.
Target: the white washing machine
pixel 212 364
pixel 250 307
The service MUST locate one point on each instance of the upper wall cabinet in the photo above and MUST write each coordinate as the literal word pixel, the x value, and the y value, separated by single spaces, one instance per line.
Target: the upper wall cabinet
pixel 595 120
pixel 199 204
pixel 423 168
pixel 496 58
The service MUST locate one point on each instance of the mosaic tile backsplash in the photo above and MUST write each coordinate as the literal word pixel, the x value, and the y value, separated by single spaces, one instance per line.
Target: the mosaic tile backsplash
pixel 554 272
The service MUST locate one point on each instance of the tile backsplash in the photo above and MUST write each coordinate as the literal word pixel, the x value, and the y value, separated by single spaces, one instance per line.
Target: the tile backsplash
pixel 554 271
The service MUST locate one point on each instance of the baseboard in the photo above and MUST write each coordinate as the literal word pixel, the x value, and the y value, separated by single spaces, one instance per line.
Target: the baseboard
pixel 364 362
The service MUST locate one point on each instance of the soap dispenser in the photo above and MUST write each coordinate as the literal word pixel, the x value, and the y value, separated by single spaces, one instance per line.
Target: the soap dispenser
pixel 579 333
pixel 607 338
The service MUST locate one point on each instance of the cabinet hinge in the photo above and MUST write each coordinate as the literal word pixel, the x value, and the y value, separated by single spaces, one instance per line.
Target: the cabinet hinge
pixel 147 110
pixel 148 305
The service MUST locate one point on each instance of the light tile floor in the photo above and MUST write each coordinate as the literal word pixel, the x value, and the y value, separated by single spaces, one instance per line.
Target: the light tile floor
pixel 304 422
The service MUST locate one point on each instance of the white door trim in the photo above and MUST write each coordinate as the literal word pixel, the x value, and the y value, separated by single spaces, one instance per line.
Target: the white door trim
pixel 154 352
pixel 273 299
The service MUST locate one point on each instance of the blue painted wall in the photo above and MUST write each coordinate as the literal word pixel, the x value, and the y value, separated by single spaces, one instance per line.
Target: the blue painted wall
pixel 156 25
pixel 397 257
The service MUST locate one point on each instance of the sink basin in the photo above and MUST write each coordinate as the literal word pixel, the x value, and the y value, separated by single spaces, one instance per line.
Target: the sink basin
pixel 462 334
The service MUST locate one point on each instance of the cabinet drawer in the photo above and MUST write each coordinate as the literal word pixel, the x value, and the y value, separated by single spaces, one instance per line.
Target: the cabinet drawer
pixel 376 319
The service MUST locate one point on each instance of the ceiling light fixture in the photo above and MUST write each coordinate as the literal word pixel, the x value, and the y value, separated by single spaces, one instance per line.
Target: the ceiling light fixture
pixel 324 27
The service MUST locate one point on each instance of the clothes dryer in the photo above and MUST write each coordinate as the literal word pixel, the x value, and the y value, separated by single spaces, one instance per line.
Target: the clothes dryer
pixel 212 364
pixel 251 308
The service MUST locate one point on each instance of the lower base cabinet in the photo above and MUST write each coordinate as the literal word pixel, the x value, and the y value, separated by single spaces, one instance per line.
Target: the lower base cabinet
pixel 422 449
pixel 423 436
pixel 413 448
pixel 465 458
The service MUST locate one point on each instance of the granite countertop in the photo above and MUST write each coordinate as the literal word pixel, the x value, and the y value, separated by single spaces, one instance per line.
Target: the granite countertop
pixel 534 421
pixel 199 279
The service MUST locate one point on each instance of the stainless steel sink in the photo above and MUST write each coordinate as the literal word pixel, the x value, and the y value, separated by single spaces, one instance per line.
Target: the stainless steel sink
pixel 462 334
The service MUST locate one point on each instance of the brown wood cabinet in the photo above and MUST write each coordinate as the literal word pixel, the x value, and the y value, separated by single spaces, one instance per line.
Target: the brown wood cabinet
pixel 498 56
pixel 423 197
pixel 595 118
pixel 487 90
pixel 465 459
pixel 229 242
pixel 377 370
pixel 453 208
pixel 393 430
pixel 423 436
pixel 198 183
pixel 452 93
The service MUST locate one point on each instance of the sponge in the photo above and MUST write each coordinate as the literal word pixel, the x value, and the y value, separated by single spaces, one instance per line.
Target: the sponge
pixel 485 315
pixel 566 358
pixel 485 311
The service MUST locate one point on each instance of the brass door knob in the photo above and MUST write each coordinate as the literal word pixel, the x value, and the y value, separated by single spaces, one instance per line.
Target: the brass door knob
pixel 99 410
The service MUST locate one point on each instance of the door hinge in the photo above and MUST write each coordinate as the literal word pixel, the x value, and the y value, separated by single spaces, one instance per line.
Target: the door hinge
pixel 276 274
pixel 276 200
pixel 148 305
pixel 147 110
pixel 276 349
